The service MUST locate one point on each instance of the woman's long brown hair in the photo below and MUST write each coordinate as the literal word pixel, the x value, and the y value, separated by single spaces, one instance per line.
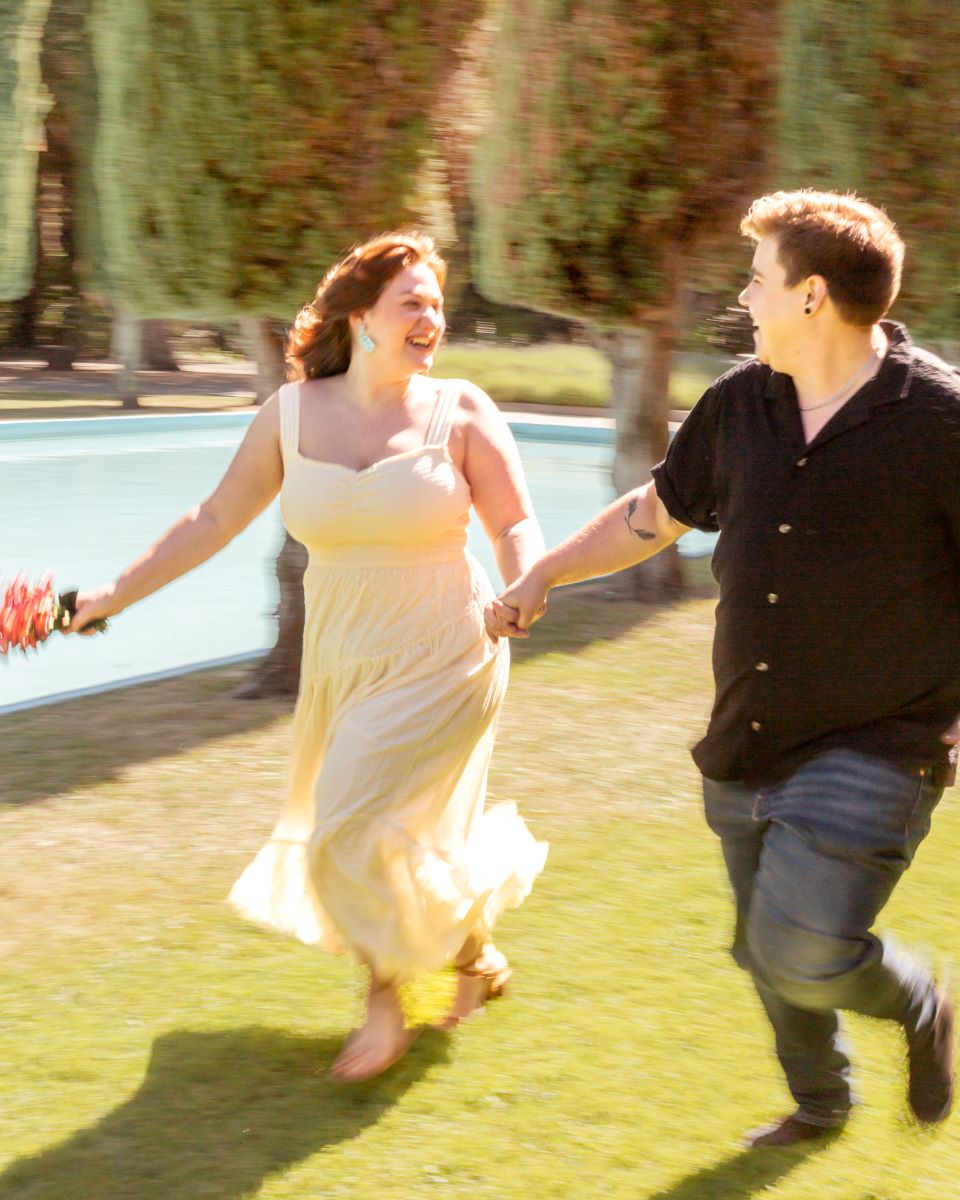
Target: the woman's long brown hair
pixel 320 344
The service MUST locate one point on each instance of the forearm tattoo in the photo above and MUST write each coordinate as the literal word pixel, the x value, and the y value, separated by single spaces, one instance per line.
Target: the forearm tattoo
pixel 645 535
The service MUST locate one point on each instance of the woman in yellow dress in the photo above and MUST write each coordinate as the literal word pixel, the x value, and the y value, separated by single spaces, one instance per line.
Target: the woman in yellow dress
pixel 384 846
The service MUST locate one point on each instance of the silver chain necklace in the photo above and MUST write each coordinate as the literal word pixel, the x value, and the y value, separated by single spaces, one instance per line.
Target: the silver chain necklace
pixel 846 387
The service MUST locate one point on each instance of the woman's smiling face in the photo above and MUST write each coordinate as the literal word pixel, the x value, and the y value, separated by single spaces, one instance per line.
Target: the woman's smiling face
pixel 407 321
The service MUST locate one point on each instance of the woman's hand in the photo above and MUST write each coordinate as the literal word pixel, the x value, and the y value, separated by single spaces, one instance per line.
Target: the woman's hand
pixel 93 606
pixel 497 619
pixel 516 609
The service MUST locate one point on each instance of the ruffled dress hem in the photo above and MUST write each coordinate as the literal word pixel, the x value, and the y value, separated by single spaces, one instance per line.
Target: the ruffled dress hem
pixel 451 897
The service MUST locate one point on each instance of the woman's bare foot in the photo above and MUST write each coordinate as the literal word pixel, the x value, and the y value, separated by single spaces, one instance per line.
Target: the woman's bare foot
pixel 481 980
pixel 381 1040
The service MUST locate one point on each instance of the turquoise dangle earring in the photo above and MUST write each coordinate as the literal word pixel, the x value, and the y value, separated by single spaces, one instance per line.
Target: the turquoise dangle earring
pixel 364 338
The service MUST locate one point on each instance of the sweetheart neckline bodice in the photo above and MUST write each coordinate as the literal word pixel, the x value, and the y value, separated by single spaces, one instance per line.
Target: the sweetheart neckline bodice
pixel 400 456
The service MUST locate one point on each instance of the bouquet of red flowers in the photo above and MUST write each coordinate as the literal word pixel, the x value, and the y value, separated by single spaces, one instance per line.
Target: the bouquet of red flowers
pixel 29 613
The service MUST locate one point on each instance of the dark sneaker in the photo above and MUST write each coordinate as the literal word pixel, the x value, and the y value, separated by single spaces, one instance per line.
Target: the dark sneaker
pixel 930 1062
pixel 788 1131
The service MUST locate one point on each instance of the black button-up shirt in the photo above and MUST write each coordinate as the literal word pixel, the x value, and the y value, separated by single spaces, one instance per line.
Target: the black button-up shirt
pixel 838 563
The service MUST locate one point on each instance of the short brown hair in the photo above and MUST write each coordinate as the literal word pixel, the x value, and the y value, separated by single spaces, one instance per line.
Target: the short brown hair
pixel 852 244
pixel 319 343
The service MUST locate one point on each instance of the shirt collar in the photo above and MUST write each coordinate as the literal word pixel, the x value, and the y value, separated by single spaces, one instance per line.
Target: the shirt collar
pixel 891 383
pixel 896 371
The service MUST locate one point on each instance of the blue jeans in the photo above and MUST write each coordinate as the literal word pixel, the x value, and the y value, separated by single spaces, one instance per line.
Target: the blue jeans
pixel 812 862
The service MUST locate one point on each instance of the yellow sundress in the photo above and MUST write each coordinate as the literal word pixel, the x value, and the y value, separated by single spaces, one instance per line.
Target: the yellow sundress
pixel 384 845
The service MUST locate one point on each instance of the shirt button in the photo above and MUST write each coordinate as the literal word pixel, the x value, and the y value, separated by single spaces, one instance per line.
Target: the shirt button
pixel 784 528
pixel 772 597
pixel 802 462
pixel 755 726
pixel 762 666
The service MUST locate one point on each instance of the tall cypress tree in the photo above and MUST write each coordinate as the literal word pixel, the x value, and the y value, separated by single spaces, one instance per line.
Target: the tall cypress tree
pixel 23 104
pixel 870 101
pixel 242 147
pixel 621 140
pixel 54 309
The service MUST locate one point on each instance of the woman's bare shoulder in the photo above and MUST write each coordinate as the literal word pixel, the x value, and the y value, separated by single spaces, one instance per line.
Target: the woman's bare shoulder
pixel 471 399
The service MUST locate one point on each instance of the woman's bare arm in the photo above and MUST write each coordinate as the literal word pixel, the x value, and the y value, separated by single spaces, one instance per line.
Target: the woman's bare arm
pixel 492 467
pixel 251 481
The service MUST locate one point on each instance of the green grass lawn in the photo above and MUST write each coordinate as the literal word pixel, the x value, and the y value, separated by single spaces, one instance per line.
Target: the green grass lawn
pixel 155 1047
pixel 554 374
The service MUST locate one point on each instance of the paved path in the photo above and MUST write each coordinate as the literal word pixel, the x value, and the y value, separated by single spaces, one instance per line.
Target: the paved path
pixel 28 391
pixel 87 391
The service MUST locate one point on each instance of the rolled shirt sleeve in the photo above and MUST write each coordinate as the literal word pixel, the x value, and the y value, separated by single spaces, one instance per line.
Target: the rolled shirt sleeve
pixel 686 479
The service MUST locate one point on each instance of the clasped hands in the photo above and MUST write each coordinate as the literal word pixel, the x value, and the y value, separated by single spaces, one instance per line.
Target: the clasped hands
pixel 517 607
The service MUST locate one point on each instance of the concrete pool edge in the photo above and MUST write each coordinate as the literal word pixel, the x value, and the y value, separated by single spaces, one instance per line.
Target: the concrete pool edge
pixel 37 428
pixel 571 430
pixel 116 685
pixel 525 425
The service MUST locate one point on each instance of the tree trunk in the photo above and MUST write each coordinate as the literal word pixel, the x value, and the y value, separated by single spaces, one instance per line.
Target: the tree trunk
pixel 279 673
pixel 59 357
pixel 156 351
pixel 23 327
pixel 54 273
pixel 126 351
pixel 265 342
pixel 641 360
pixel 57 256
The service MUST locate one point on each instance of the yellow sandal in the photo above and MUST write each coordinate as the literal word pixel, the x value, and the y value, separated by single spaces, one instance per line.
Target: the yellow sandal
pixel 484 979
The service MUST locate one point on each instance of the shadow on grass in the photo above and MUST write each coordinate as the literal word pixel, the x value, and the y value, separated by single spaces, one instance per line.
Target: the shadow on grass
pixel 84 742
pixel 217 1114
pixel 747 1174
pixel 597 611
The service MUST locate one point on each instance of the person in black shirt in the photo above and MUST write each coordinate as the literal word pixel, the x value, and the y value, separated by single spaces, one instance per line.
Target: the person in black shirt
pixel 829 465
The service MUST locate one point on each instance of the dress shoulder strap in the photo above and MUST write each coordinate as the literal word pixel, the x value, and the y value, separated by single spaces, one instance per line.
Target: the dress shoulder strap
pixel 443 411
pixel 289 397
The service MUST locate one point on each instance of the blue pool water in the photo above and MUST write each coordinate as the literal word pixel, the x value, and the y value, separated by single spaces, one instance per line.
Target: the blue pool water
pixel 82 498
